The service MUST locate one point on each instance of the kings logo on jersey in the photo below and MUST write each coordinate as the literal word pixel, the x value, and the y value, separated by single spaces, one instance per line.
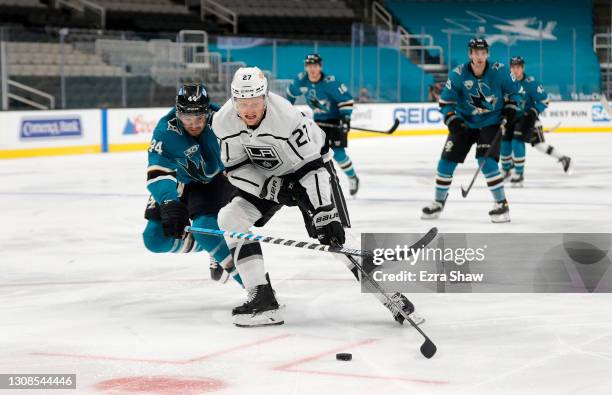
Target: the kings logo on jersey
pixel 265 157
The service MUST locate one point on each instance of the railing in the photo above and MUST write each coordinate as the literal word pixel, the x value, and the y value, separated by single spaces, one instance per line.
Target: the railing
pixel 221 12
pixel 597 38
pixel 82 5
pixel 380 13
pixel 29 102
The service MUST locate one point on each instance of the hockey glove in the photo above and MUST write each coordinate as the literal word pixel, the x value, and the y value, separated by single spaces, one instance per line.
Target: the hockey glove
pixel 345 125
pixel 530 118
pixel 279 191
pixel 327 226
pixel 457 126
pixel 174 218
pixel 509 112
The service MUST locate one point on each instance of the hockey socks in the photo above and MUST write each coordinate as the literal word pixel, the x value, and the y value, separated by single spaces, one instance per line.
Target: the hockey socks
pixel 518 155
pixel 444 178
pixel 494 178
pixel 506 155
pixel 548 149
pixel 345 163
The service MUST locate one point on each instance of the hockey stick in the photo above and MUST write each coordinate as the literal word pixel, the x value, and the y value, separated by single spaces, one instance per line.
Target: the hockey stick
pixel 392 129
pixel 428 348
pixel 279 241
pixel 422 242
pixel 557 126
pixel 502 128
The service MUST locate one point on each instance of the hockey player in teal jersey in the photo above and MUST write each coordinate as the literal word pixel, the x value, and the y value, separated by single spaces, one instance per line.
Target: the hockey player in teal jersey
pixel 332 106
pixel 475 99
pixel 186 181
pixel 527 128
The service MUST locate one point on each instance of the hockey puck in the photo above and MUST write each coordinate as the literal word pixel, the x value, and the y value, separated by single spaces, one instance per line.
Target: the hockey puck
pixel 344 356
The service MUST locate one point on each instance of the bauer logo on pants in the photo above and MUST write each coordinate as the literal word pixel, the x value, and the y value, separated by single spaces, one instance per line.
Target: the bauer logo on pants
pixel 264 157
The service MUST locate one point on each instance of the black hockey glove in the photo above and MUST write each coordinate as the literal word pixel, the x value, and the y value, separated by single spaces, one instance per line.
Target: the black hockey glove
pixel 345 125
pixel 327 226
pixel 279 191
pixel 457 126
pixel 509 112
pixel 174 218
pixel 530 118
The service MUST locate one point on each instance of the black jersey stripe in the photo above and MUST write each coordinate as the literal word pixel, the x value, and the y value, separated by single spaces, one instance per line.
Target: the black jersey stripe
pixel 151 174
pixel 245 180
pixel 238 165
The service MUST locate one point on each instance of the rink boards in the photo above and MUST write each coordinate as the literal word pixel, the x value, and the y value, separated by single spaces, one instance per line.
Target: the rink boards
pixel 67 132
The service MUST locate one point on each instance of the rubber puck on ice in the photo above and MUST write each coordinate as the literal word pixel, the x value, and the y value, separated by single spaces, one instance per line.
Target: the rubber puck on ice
pixel 344 356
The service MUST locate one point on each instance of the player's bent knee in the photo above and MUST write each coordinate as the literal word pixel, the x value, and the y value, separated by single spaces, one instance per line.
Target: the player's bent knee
pixel 154 239
pixel 238 215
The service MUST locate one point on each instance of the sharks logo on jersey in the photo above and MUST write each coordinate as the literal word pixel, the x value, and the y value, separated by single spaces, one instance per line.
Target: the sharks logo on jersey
pixel 194 167
pixel 481 102
pixel 315 103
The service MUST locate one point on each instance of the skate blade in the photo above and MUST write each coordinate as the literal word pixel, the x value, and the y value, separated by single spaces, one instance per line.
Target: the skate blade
pixel 430 216
pixel 516 184
pixel 266 318
pixel 499 219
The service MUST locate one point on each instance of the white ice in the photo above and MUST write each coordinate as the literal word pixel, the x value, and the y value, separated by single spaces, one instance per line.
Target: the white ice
pixel 80 294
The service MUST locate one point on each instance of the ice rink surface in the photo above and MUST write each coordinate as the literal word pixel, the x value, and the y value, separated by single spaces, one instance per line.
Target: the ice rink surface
pixel 80 294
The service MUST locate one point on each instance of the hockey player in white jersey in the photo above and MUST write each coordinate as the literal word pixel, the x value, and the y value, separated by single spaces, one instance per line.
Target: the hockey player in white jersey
pixel 274 156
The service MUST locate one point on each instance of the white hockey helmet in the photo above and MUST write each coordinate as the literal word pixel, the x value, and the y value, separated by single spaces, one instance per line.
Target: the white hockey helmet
pixel 249 82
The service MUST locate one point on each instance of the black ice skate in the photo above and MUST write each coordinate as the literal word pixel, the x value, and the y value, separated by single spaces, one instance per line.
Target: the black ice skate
pixel 517 180
pixel 260 309
pixel 500 212
pixel 408 308
pixel 566 162
pixel 434 210
pixel 353 185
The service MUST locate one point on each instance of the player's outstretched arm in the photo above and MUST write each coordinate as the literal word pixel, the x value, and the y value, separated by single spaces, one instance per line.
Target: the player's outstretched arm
pixel 161 170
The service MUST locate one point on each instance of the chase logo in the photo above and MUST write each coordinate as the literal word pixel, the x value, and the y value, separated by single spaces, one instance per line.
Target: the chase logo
pixel 50 128
pixel 265 157
pixel 599 114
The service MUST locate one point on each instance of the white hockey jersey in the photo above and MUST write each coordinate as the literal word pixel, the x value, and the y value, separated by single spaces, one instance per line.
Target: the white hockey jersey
pixel 283 143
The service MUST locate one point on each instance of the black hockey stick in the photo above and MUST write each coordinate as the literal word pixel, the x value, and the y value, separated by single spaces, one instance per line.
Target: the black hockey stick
pixel 428 348
pixel 502 129
pixel 392 129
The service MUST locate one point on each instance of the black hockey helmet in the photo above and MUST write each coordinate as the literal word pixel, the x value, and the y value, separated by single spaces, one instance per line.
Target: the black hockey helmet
pixel 192 99
pixel 517 61
pixel 478 43
pixel 313 58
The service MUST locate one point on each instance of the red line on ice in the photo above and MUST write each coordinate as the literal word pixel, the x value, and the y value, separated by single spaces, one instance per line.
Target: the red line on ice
pixel 161 361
